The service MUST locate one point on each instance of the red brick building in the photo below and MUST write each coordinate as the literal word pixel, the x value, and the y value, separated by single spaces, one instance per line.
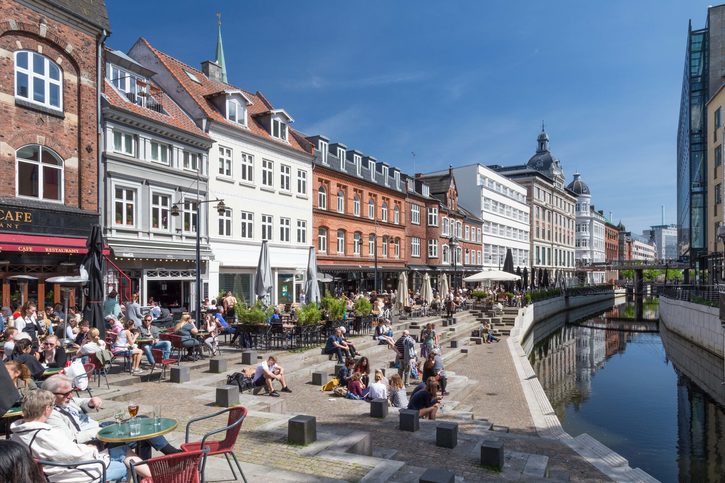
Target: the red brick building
pixel 49 71
pixel 359 218
pixel 611 249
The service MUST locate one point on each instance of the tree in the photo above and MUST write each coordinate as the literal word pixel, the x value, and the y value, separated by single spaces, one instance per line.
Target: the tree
pixel 626 274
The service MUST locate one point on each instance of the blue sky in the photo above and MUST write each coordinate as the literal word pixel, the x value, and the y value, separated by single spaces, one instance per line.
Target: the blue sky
pixel 460 82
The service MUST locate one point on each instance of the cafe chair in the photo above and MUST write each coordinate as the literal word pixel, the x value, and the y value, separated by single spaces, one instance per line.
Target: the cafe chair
pixel 158 355
pixel 225 446
pixel 185 467
pixel 94 470
pixel 90 369
pixel 101 369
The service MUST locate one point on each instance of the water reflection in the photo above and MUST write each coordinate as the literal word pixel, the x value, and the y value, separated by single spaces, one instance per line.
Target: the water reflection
pixel 649 404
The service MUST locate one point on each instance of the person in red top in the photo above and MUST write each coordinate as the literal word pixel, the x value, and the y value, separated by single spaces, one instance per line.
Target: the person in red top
pixel 355 388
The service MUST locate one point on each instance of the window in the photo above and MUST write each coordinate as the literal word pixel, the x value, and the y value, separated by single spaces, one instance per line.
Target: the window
pixel 718 155
pixel 467 233
pixel 415 214
pixel 190 218
pixel 371 209
pixel 478 236
pixel 341 156
pixel 371 245
pixel 160 152
pixel 467 259
pixel 718 194
pixel 160 211
pixel 384 211
pixel 284 229
pixel 340 242
pixel 322 147
pixel 396 248
pixel 38 80
pixel 322 198
pixel 356 205
pixel 247 225
pixel 340 202
pixel 225 223
pixel 124 143
pixel 459 229
pixel 225 161
pixel 357 243
pixel 266 227
pixel 267 172
pixel 433 248
pixel 40 173
pixel 415 247
pixel 446 254
pixel 236 112
pixel 247 168
pixel 396 215
pixel 446 226
pixel 284 177
pixel 385 246
pixel 279 129
pixel 432 216
pixel 301 182
pixel 191 161
pixel 357 159
pixel 302 231
pixel 124 203
pixel 322 240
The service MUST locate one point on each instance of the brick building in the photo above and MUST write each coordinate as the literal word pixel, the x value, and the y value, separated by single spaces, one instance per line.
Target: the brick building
pixel 359 218
pixel 49 196
pixel 611 248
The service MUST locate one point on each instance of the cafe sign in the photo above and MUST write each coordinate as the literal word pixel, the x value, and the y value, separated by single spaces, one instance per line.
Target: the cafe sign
pixel 19 219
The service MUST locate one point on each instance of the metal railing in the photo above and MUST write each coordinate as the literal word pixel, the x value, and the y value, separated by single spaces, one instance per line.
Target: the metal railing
pixel 699 294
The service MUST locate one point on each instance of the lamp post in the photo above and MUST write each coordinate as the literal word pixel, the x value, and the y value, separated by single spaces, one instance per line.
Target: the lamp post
pixel 721 236
pixel 453 244
pixel 175 211
pixel 375 251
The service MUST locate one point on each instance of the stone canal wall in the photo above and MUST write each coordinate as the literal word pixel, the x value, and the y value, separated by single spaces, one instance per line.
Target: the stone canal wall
pixel 697 323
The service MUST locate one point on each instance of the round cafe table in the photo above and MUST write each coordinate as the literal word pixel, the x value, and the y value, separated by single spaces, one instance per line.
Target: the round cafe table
pixel 11 415
pixel 51 371
pixel 120 433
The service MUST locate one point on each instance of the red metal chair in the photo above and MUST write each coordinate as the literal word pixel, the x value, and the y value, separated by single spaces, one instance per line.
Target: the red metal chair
pixel 186 467
pixel 225 446
pixel 158 355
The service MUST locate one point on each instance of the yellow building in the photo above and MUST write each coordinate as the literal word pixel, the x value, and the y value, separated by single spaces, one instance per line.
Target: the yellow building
pixel 715 137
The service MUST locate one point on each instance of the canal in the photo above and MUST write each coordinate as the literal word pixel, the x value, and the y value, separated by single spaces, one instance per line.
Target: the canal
pixel 640 389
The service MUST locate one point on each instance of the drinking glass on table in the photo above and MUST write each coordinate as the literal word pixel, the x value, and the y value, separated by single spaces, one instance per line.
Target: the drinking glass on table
pixel 132 409
pixel 157 415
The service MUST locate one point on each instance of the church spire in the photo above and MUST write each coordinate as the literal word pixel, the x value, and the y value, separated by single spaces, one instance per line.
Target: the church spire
pixel 220 48
pixel 543 140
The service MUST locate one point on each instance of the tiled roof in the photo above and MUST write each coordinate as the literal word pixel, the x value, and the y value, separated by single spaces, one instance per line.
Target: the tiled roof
pixel 174 116
pixel 91 10
pixel 205 87
pixel 438 184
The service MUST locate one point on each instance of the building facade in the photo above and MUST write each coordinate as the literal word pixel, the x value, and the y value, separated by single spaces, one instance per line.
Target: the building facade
pixel 359 218
pixel 258 165
pixel 49 194
pixel 552 216
pixel 611 249
pixel 503 207
pixel 590 232
pixel 643 250
pixel 155 159
pixel 664 239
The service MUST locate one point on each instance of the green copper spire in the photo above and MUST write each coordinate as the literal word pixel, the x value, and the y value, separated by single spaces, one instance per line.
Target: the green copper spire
pixel 220 49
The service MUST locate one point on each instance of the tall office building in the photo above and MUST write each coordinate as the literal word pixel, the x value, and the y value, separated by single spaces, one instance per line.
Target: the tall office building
pixel 703 76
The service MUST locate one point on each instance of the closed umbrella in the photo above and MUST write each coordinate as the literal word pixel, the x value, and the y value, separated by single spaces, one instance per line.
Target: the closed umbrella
pixel 540 282
pixel 545 281
pixel 525 276
pixel 93 263
pixel 443 285
pixel 263 277
pixel 426 290
pixel 402 298
pixel 518 282
pixel 312 288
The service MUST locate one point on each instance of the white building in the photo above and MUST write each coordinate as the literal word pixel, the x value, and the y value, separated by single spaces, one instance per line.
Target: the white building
pixel 501 204
pixel 664 238
pixel 258 165
pixel 642 250
pixel 589 230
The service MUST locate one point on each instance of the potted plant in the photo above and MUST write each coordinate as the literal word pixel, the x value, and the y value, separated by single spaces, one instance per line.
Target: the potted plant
pixel 309 314
pixel 254 315
pixel 335 307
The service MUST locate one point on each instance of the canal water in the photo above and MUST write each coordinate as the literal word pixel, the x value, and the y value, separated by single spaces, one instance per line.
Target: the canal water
pixel 640 389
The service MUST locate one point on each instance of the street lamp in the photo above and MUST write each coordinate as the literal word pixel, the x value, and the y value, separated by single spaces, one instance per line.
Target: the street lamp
pixel 453 244
pixel 221 208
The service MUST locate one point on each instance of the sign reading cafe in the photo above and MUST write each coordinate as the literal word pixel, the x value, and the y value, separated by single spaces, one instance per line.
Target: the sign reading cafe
pixel 61 221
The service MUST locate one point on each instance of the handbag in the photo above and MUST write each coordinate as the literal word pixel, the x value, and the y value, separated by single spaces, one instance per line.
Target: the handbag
pixel 340 391
pixel 331 384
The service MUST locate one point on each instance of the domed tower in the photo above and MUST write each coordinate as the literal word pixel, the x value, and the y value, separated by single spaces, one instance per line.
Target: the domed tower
pixel 544 162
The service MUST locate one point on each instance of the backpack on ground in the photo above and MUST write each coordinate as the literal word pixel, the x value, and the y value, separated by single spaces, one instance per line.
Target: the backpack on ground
pixel 242 380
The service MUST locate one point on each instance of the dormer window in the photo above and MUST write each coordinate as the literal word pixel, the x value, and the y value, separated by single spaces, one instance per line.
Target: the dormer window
pixel 236 112
pixel 371 167
pixel 426 190
pixel 322 147
pixel 396 174
pixel 358 164
pixel 385 175
pixel 341 156
pixel 279 129
pixel 133 86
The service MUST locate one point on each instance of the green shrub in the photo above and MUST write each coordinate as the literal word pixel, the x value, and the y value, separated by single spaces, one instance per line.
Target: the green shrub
pixel 362 307
pixel 479 295
pixel 335 307
pixel 309 314
pixel 254 315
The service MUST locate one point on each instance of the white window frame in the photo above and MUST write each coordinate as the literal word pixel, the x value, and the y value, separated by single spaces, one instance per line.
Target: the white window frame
pixel 236 112
pixel 225 223
pixel 372 244
pixel 341 155
pixel 267 173
pixel 188 211
pixel 357 243
pixel 415 214
pixel 285 177
pixel 302 231
pixel 396 248
pixel 371 208
pixel 225 161
pixel 384 251
pixel 341 201
pixel 158 156
pixel 279 129
pixel 322 240
pixel 302 182
pixel 40 167
pixel 415 247
pixel 247 225
pixel 396 215
pixel 322 197
pixel 446 225
pixel 191 161
pixel 341 242
pixel 322 146
pixel 433 216
pixel 433 248
pixel 247 168
pixel 161 209
pixel 125 139
pixel 356 205
pixel 285 225
pixel 125 202
pixel 384 211
pixel 267 227
pixel 44 77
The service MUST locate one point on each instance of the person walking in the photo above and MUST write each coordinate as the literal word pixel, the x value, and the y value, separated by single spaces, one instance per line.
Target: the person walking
pixel 405 347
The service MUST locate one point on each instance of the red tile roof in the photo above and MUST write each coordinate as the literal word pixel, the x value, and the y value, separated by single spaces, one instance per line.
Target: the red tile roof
pixel 205 87
pixel 174 116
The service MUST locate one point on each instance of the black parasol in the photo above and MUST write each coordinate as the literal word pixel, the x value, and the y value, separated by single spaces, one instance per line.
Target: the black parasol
pixel 546 279
pixel 525 278
pixel 93 263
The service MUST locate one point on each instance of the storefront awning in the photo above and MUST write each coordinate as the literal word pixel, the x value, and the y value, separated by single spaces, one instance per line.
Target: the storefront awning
pixel 44 244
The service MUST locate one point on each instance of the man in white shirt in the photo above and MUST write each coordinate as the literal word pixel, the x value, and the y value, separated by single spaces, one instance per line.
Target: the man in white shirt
pixel 266 373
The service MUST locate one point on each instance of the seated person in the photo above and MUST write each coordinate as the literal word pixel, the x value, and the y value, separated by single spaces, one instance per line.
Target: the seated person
pixel 362 366
pixel 350 345
pixel 70 414
pixel 398 397
pixel 336 346
pixel 187 330
pixel 346 372
pixel 47 442
pixel 426 401
pixel 355 387
pixel 17 464
pixel 487 334
pixel 20 375
pixel 125 344
pixel 384 333
pixel 94 343
pixel 378 389
pixel 275 318
pixel 9 345
pixel 266 373
pixel 22 352
pixel 52 355
pixel 82 335
pixel 150 331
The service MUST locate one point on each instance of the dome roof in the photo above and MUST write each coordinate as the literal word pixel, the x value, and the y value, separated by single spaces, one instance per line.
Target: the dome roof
pixel 543 161
pixel 578 186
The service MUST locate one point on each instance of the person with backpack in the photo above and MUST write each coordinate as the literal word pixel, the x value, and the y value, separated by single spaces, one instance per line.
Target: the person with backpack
pixel 405 346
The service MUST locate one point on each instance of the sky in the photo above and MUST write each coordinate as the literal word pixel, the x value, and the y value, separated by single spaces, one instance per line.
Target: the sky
pixel 459 82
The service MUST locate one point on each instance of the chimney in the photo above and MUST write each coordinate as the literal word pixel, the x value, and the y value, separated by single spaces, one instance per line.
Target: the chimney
pixel 212 70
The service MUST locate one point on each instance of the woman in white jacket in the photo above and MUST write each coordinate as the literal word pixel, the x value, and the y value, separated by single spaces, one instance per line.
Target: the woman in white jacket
pixel 52 444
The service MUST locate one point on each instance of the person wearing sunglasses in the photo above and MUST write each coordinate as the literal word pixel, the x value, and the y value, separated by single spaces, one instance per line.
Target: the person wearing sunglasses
pixel 51 354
